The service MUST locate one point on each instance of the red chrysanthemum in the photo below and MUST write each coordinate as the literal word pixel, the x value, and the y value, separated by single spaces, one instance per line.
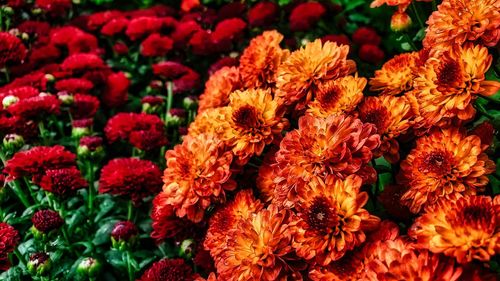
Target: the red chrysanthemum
pixel 116 91
pixel 9 239
pixel 130 177
pixel 227 32
pixel 74 85
pixel 46 220
pixel 183 78
pixel 22 92
pixel 115 26
pixel 80 63
pixel 168 270
pixel 305 15
pixel 141 26
pixel 144 131
pixel 62 182
pixel 84 106
pixel 366 35
pixel 91 142
pixel 12 49
pixel 156 45
pixel 98 19
pixel 54 7
pixel 371 54
pixel 263 13
pixel 35 107
pixel 183 32
pixel 36 161
pixel 124 231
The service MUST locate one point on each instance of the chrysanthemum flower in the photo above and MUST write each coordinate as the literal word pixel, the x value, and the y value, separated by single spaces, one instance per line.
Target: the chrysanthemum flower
pixel 116 90
pixel 79 63
pixel 12 49
pixel 141 26
pixel 268 171
pixel 392 117
pixel 35 107
pixel 306 69
pixel 62 182
pixel 54 7
pixel 243 207
pixel 197 175
pixel 84 106
pixel 226 32
pixel 36 161
pixel 156 45
pixel 396 75
pixel 183 78
pixel 124 231
pixel 253 120
pixel 402 4
pixel 467 229
pixel 442 164
pixel 115 26
pixel 261 59
pixel 263 14
pixel 338 145
pixel 450 82
pixel 337 96
pixel 218 88
pixel 460 21
pixel 332 220
pixel 46 220
pixel 210 121
pixel 305 15
pixel 130 177
pixel 74 85
pixel 9 239
pixel 257 248
pixel 168 270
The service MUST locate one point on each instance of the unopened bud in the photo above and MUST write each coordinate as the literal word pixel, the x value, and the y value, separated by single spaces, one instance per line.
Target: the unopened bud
pixel 400 21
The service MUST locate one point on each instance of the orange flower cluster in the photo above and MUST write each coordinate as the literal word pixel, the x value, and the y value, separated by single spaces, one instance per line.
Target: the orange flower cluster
pixel 302 127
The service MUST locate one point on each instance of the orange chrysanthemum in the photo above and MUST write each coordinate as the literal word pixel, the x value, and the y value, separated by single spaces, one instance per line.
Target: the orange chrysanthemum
pixel 337 96
pixel 257 248
pixel 392 116
pixel 209 121
pixel 268 171
pixel 252 121
pixel 449 83
pixel 396 75
pixel 460 21
pixel 332 220
pixel 218 88
pixel 243 207
pixel 443 164
pixel 306 69
pixel 402 4
pixel 260 60
pixel 197 174
pixel 467 229
pixel 338 145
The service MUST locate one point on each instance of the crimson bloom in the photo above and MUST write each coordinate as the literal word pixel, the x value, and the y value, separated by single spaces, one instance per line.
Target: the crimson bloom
pixel 63 182
pixel 46 220
pixel 168 270
pixel 305 15
pixel 116 91
pixel 35 107
pixel 263 13
pixel 12 49
pixel 9 239
pixel 183 78
pixel 156 45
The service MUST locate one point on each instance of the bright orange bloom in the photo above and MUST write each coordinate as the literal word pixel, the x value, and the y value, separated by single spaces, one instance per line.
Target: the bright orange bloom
pixel 257 248
pixel 396 75
pixel 450 82
pixel 459 21
pixel 209 121
pixel 253 120
pixel 402 4
pixel 467 229
pixel 443 164
pixel 268 171
pixel 338 145
pixel 197 174
pixel 243 207
pixel 260 60
pixel 306 69
pixel 392 116
pixel 332 220
pixel 337 96
pixel 218 87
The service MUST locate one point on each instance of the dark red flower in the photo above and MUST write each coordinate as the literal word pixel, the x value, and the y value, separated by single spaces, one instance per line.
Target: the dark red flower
pixel 22 92
pixel 184 78
pixel 15 125
pixel 37 160
pixel 63 182
pixel 35 107
pixel 74 85
pixel 80 63
pixel 115 26
pixel 220 63
pixel 35 79
pixel 139 27
pixel 340 39
pixel 305 15
pixel 263 14
pixel 46 220
pixel 203 259
pixel 116 91
pixel 168 270
pixel 38 30
pixel 124 231
pixel 9 239
pixel 82 123
pixel 201 43
pixel 83 43
pixel 156 45
pixel 96 20
pixel 120 48
pixel 152 100
pixel 130 177
pixel 91 142
pixel 390 199
pixel 84 106
pixel 231 10
pixel 15 3
pixel 366 35
pixel 144 131
pixel 62 35
pixel 165 223
pixel 44 54
pixel 12 49
pixel 485 131
pixel 183 32
pixel 227 32
pixel 54 7
pixel 371 54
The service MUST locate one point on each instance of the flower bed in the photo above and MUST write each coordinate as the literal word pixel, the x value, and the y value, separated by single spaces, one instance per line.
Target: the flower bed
pixel 341 140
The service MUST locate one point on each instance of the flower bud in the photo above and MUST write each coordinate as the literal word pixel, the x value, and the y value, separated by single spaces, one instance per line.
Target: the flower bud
pixel 400 21
pixel 124 235
pixel 45 222
pixel 8 10
pixel 9 100
pixel 89 267
pixel 152 104
pixel 175 117
pixel 65 97
pixel 39 264
pixel 13 142
pixel 190 103
pixel 90 146
pixel 81 127
pixel 186 248
pixel 49 77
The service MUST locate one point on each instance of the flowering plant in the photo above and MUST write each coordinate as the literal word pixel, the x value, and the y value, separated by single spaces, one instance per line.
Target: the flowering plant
pixel 288 140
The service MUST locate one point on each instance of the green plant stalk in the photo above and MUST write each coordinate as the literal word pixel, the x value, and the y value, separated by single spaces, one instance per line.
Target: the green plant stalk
pixel 32 194
pixel 130 209
pixel 16 187
pixel 91 195
pixel 408 39
pixel 43 133
pixel 19 256
pixel 130 270
pixel 417 15
pixel 170 97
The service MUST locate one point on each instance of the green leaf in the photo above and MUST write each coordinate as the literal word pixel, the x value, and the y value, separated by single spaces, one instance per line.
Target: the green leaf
pixel 105 207
pixel 102 235
pixel 115 259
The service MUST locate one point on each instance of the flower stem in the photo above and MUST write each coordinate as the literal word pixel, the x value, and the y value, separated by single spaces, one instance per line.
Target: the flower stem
pixel 91 195
pixel 16 187
pixel 130 209
pixel 408 39
pixel 130 270
pixel 417 15
pixel 170 97
pixel 43 133
pixel 20 257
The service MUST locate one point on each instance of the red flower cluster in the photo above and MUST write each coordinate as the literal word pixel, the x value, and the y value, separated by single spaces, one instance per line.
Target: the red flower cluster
pixel 9 239
pixel 46 221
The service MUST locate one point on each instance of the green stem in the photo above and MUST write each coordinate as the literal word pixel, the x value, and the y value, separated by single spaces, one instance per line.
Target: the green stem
pixel 417 15
pixel 434 5
pixel 170 97
pixel 91 195
pixel 130 209
pixel 32 193
pixel 16 187
pixel 408 39
pixel 130 270
pixel 19 256
pixel 43 133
